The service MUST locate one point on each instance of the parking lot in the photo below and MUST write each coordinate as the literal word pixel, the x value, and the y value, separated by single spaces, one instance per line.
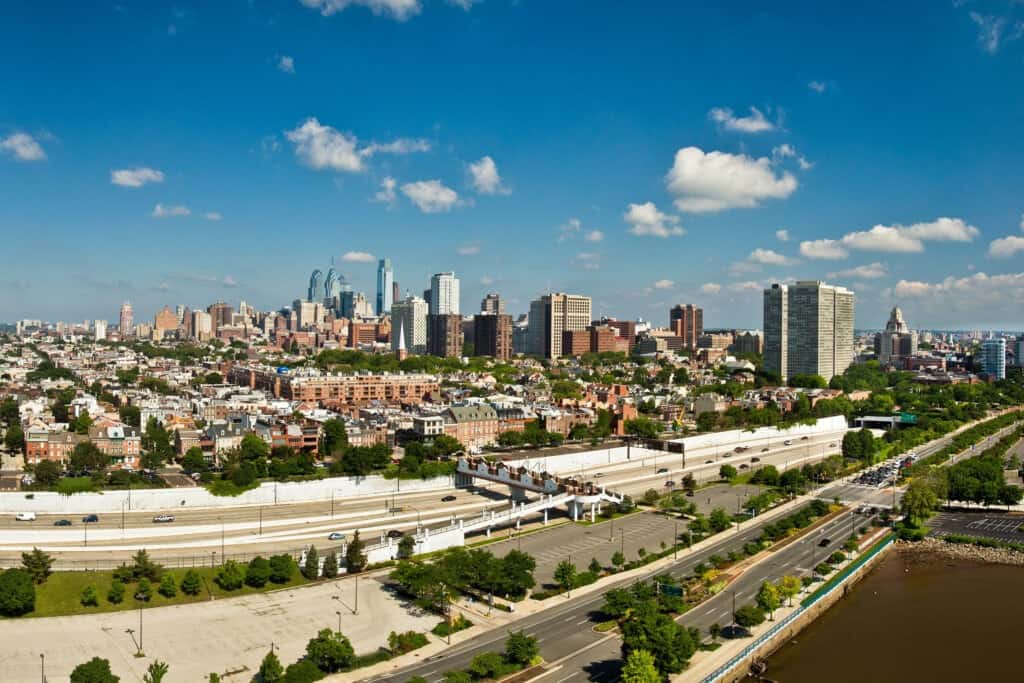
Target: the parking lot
pixel 999 526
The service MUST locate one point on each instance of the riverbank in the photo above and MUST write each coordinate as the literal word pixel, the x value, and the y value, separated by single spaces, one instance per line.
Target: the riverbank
pixel 927 550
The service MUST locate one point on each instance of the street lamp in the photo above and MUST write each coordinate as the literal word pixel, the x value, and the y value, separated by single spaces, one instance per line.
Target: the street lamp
pixel 338 612
pixel 42 667
pixel 221 538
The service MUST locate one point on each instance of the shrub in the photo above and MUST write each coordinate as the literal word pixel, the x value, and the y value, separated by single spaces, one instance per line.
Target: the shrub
pixel 281 568
pixel 488 665
pixel 459 623
pixel 17 593
pixel 96 670
pixel 521 648
pixel 257 573
pixel 115 596
pixel 749 615
pixel 330 568
pixel 330 651
pixel 89 597
pixel 230 576
pixel 302 671
pixel 190 584
pixel 400 643
pixel 837 557
pixel 167 588
pixel 123 573
pixel 144 591
pixel 823 568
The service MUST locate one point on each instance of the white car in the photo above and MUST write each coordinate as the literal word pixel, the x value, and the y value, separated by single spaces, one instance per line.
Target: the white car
pixel 25 517
pixel 163 519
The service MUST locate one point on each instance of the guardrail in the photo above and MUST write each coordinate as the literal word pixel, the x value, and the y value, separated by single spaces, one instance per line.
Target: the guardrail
pixel 827 589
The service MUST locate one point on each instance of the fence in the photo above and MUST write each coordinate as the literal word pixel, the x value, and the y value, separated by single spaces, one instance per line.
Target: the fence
pixel 827 589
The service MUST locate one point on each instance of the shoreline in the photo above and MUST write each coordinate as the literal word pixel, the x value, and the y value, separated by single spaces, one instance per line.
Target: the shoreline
pixel 920 551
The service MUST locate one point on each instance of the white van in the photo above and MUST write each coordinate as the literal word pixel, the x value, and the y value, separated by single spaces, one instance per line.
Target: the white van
pixel 25 517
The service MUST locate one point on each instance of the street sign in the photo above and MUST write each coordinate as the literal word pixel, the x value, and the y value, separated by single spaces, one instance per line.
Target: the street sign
pixel 908 419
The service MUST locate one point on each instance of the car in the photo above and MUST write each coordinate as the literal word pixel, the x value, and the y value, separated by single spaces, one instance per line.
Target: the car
pixel 669 484
pixel 689 494
pixel 764 450
pixel 598 475
pixel 803 438
pixel 744 466
pixel 709 462
pixel 787 442
pixel 755 460
pixel 395 533
pixel 90 519
pixel 62 522
pixel 25 517
pixel 662 470
pixel 824 542
pixel 447 499
pixel 832 445
pixel 163 519
pixel 335 536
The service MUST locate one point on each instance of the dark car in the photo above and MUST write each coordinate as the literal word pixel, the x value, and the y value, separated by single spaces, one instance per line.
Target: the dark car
pixel 62 522
pixel 669 484
pixel 447 499
pixel 689 494
pixel 90 519
pixel 755 460
pixel 764 450
pixel 744 466
pixel 824 542
pixel 662 470
pixel 395 533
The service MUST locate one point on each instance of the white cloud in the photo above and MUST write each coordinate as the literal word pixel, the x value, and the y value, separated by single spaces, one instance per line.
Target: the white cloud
pixel 468 250
pixel 664 284
pixel 399 146
pixel 161 211
pixel 487 280
pixel 464 4
pixel 569 229
pixel 818 86
pixel 990 30
pixel 431 196
pixel 213 216
pixel 942 230
pixel 386 194
pixel 645 219
pixel 136 177
pixel 782 235
pixel 755 123
pixel 748 286
pixel 955 298
pixel 783 151
pixel 594 236
pixel 1022 222
pixel 23 146
pixel 804 164
pixel 769 257
pixel 1005 247
pixel 485 177
pixel 396 9
pixel 321 147
pixel 742 268
pixel 711 288
pixel 910 238
pixel 229 281
pixel 823 249
pixel 589 260
pixel 357 257
pixel 285 64
pixel 870 271
pixel 714 181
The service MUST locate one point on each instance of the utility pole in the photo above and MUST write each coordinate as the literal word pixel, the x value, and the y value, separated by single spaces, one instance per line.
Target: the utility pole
pixel 675 543
pixel 222 540
pixel 42 667
pixel 332 509
pixel 356 610
pixel 261 520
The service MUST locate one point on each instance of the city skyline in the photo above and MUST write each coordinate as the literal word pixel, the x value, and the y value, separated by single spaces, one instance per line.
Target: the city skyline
pixel 664 183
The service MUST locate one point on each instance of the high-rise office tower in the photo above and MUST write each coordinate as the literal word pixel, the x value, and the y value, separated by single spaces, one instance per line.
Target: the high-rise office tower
pixel 444 294
pixel 993 358
pixel 492 335
pixel 808 329
pixel 553 314
pixel 492 305
pixel 409 316
pixel 124 321
pixel 444 335
pixel 396 292
pixel 896 342
pixel 99 329
pixel 385 288
pixel 220 314
pixel 687 321
pixel 315 283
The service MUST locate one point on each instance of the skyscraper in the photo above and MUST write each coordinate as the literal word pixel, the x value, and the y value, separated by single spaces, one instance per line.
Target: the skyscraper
pixel 124 322
pixel 220 314
pixel 553 314
pixel 444 294
pixel 444 335
pixel 385 286
pixel 808 329
pixel 409 316
pixel 687 321
pixel 492 335
pixel 993 358
pixel 896 342
pixel 315 282
pixel 492 305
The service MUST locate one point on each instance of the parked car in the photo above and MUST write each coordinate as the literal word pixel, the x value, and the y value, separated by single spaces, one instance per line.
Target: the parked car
pixel 395 533
pixel 62 522
pixel 163 519
pixel 447 499
pixel 744 466
pixel 90 519
pixel 25 517
pixel 803 438
pixel 755 460
pixel 336 536
pixel 708 462
pixel 764 450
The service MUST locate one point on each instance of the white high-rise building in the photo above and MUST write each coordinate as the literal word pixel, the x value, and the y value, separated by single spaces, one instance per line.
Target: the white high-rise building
pixel 553 314
pixel 202 325
pixel 444 294
pixel 99 328
pixel 808 329
pixel 409 316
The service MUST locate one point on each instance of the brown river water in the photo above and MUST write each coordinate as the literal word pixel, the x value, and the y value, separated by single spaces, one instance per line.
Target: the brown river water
pixel 915 619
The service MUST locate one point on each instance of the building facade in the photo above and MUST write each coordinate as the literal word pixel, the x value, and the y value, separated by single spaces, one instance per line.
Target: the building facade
pixel 551 316
pixel 444 335
pixel 993 358
pixel 492 335
pixel 897 342
pixel 444 294
pixel 410 317
pixel 385 286
pixel 808 329
pixel 687 321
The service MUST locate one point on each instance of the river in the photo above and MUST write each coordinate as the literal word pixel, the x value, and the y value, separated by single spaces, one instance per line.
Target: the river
pixel 913 620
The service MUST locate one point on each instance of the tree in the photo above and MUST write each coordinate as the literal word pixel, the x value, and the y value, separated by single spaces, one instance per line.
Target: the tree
pixel 143 566
pixel 190 583
pixel 81 423
pixel 302 671
pixel 144 591
pixel 715 630
pixel 271 670
pixel 918 502
pixel 689 482
pixel 649 629
pixel 311 567
pixel 17 593
pixel 96 670
pixel 47 472
pixel 14 439
pixel 768 598
pixel 651 496
pixel 749 616
pixel 156 672
pixel 406 547
pixel 281 568
pixel 194 460
pixel 330 651
pixel 565 575
pixel 89 597
pixel 167 588
pixel 330 568
pixel 37 564
pixel 257 573
pixel 334 437
pixel 87 457
pixel 520 648
pixel 719 520
pixel 727 472
pixel 789 587
pixel 487 665
pixel 617 603
pixel 618 559
pixel 230 576
pixel 130 415
pixel 9 411
pixel 115 596
pixel 639 668
pixel 643 426
pixel 594 567
pixel 355 555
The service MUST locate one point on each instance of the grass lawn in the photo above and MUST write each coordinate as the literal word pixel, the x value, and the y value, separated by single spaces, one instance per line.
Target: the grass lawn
pixel 61 593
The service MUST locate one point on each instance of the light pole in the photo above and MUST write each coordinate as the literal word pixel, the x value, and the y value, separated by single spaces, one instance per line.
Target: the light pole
pixel 675 543
pixel 261 520
pixel 338 612
pixel 221 539
pixel 42 667
pixel 356 607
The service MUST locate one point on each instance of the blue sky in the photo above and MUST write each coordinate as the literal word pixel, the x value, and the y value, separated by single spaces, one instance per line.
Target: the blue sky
pixel 644 153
